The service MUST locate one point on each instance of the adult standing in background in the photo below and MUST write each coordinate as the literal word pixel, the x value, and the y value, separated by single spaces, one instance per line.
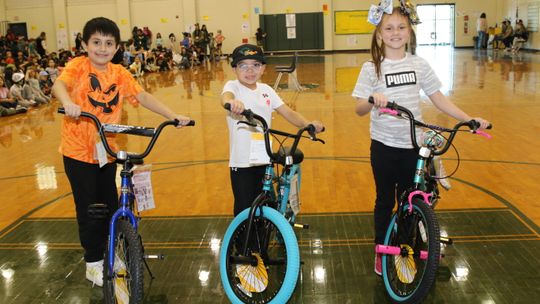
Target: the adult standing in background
pixel 481 28
pixel 260 35
pixel 197 36
pixel 78 42
pixel 41 44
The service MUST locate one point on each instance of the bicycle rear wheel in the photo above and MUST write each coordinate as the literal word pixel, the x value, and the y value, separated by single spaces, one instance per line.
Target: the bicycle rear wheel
pixel 272 276
pixel 126 283
pixel 409 277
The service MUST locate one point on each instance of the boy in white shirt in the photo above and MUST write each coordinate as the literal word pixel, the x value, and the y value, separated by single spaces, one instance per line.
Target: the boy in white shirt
pixel 245 92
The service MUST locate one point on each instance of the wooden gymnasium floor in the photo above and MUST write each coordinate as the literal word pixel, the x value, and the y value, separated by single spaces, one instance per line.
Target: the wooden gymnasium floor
pixel 493 211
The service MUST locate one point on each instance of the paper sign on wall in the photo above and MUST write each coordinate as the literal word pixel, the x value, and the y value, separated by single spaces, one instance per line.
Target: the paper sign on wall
pixel 291 33
pixel 290 20
pixel 245 27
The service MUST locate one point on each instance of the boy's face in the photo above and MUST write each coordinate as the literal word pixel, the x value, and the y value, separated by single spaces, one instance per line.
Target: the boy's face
pixel 249 71
pixel 101 49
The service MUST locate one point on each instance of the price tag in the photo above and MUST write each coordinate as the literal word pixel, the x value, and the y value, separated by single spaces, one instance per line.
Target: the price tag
pixel 294 199
pixel 100 154
pixel 257 151
pixel 142 188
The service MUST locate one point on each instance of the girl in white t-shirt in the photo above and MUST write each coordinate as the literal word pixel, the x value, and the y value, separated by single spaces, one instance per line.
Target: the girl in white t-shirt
pixel 246 93
pixel 395 73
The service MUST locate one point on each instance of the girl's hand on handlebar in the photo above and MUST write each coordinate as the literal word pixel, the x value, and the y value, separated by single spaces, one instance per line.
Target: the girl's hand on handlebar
pixel 379 100
pixel 319 127
pixel 484 124
pixel 72 110
pixel 184 120
pixel 237 107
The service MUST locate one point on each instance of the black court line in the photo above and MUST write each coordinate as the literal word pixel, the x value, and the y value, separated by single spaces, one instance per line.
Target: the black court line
pixel 503 201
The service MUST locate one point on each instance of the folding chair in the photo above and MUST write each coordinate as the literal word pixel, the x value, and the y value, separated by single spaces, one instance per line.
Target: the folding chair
pixel 289 70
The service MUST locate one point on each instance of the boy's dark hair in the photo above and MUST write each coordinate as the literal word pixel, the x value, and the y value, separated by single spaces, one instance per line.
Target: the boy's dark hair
pixel 101 25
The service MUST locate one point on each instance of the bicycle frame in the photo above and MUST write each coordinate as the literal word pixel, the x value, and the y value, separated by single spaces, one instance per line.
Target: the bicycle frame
pixel 425 157
pixel 127 196
pixel 126 202
pixel 284 180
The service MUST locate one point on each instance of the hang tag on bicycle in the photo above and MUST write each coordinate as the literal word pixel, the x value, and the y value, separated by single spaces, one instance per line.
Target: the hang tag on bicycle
pixel 294 195
pixel 257 151
pixel 99 153
pixel 142 187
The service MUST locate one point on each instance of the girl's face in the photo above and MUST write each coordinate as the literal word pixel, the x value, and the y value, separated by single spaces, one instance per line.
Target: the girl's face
pixel 395 32
pixel 51 63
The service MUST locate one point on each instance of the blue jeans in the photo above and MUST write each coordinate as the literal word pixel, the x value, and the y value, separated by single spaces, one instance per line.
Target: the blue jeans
pixel 480 44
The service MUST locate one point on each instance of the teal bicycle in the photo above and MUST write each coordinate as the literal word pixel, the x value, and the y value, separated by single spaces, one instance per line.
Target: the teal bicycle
pixel 259 258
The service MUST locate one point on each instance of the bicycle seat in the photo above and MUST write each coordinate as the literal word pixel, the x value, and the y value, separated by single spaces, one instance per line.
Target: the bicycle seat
pixel 280 156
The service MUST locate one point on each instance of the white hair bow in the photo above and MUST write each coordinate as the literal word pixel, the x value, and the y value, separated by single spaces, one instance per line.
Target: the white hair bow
pixel 376 12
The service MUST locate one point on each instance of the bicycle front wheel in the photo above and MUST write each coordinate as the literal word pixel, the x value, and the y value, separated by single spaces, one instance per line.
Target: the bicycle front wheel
pixel 126 283
pixel 408 277
pixel 269 271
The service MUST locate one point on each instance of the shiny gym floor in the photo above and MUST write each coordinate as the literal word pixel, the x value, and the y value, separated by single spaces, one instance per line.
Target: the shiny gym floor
pixel 492 211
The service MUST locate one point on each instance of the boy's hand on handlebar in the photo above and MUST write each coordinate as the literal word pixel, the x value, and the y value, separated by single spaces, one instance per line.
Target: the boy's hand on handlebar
pixel 184 120
pixel 72 110
pixel 379 100
pixel 319 127
pixel 237 107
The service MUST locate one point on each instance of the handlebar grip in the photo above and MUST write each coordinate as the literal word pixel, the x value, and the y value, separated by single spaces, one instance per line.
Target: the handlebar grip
pixel 475 125
pixel 389 105
pixel 247 113
pixel 189 124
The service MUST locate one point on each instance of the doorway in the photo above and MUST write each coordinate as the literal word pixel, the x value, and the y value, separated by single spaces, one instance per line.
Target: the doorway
pixel 19 29
pixel 437 27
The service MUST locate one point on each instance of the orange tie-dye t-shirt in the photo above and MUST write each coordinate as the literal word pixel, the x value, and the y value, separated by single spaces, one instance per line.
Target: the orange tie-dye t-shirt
pixel 101 93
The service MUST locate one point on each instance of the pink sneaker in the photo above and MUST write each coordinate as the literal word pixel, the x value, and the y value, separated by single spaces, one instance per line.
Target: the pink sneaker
pixel 378 263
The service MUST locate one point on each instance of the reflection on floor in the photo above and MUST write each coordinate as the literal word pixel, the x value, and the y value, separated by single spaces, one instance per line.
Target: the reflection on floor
pixel 490 212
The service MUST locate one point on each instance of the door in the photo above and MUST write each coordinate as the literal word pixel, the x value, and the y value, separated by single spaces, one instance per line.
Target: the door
pixel 19 29
pixel 437 27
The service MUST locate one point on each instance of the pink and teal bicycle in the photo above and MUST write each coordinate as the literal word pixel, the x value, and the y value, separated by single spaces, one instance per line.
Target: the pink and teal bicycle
pixel 412 245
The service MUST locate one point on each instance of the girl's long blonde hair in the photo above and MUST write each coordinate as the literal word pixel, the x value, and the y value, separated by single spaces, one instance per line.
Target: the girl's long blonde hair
pixel 377 50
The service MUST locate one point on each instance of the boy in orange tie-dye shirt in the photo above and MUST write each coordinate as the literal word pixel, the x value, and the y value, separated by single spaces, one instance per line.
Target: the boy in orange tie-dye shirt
pixel 93 84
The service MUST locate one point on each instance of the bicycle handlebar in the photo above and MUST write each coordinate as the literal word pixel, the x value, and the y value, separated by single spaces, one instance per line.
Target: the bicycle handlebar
pixel 252 116
pixel 132 130
pixel 393 108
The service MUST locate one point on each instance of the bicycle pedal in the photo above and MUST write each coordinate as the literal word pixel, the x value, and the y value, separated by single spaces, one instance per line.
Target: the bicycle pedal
pixel 446 240
pixel 301 226
pixel 98 211
pixel 154 256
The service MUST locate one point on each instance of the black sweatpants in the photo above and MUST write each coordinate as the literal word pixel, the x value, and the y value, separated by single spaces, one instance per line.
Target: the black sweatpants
pixel 393 170
pixel 246 186
pixel 91 184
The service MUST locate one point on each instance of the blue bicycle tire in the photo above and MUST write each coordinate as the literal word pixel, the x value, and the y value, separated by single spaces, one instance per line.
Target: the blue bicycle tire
pixel 429 272
pixel 290 243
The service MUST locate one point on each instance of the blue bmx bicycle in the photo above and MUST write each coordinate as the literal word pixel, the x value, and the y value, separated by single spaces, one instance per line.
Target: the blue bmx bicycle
pixel 412 246
pixel 259 258
pixel 124 257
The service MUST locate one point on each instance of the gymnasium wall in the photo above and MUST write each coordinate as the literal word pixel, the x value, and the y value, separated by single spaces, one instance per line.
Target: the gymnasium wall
pixel 238 19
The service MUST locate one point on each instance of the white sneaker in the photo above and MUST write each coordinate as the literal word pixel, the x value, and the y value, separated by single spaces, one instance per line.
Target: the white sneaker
pixel 94 273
